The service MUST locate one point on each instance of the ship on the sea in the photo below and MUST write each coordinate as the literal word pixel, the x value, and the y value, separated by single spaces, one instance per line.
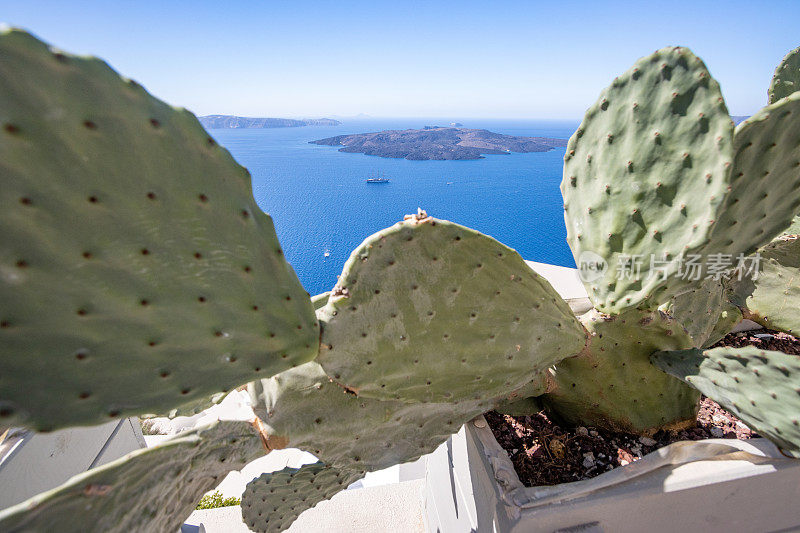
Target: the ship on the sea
pixel 377 179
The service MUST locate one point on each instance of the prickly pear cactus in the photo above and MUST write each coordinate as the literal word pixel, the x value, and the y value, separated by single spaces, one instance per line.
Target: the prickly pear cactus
pixel 704 312
pixel 430 311
pixel 644 175
pixel 302 408
pixel 137 274
pixel 765 178
pixel 272 501
pixel 757 386
pixel 773 298
pixel 787 77
pixel 614 386
pixel 153 489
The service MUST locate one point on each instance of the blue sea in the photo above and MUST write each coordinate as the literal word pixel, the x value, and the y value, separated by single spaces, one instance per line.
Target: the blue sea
pixel 323 208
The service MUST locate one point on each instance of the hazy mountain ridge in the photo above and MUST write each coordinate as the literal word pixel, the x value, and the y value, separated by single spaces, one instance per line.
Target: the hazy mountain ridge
pixel 439 143
pixel 233 121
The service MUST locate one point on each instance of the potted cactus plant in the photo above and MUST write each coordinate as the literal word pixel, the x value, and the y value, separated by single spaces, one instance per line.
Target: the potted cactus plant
pixel 646 330
pixel 138 276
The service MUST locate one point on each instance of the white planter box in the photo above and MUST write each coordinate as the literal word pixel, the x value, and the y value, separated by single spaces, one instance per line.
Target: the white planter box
pixel 712 485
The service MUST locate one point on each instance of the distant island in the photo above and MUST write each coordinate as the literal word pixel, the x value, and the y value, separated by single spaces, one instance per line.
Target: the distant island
pixel 439 143
pixel 231 121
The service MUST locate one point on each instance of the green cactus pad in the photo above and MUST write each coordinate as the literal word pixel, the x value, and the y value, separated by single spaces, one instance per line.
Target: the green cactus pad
pixel 644 175
pixel 765 179
pixel 272 501
pixel 704 312
pixel 614 386
pixel 302 408
pixel 759 387
pixel 728 318
pixel 773 298
pixel 785 82
pixel 430 311
pixel 787 77
pixel 137 274
pixel 154 489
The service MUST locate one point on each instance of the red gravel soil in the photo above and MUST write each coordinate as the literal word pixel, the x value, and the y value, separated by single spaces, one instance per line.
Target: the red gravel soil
pixel 544 453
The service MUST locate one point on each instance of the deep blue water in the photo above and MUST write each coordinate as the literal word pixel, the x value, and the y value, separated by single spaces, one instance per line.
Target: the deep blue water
pixel 319 200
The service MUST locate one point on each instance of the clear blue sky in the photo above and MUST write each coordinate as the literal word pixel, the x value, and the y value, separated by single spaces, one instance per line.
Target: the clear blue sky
pixel 410 58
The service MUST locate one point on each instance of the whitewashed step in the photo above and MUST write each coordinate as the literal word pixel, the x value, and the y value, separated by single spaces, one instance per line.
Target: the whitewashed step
pixel 396 507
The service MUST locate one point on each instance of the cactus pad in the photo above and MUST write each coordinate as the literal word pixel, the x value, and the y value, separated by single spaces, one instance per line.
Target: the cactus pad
pixel 785 82
pixel 728 318
pixel 274 500
pixel 759 387
pixel 303 409
pixel 787 77
pixel 644 175
pixel 704 312
pixel 773 298
pixel 154 489
pixel 430 311
pixel 137 274
pixel 765 179
pixel 614 386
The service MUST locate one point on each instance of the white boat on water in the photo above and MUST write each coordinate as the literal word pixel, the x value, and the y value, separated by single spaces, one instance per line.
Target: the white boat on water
pixel 375 178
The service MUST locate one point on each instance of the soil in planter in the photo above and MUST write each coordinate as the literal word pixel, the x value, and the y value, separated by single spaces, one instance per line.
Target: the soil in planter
pixel 544 453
